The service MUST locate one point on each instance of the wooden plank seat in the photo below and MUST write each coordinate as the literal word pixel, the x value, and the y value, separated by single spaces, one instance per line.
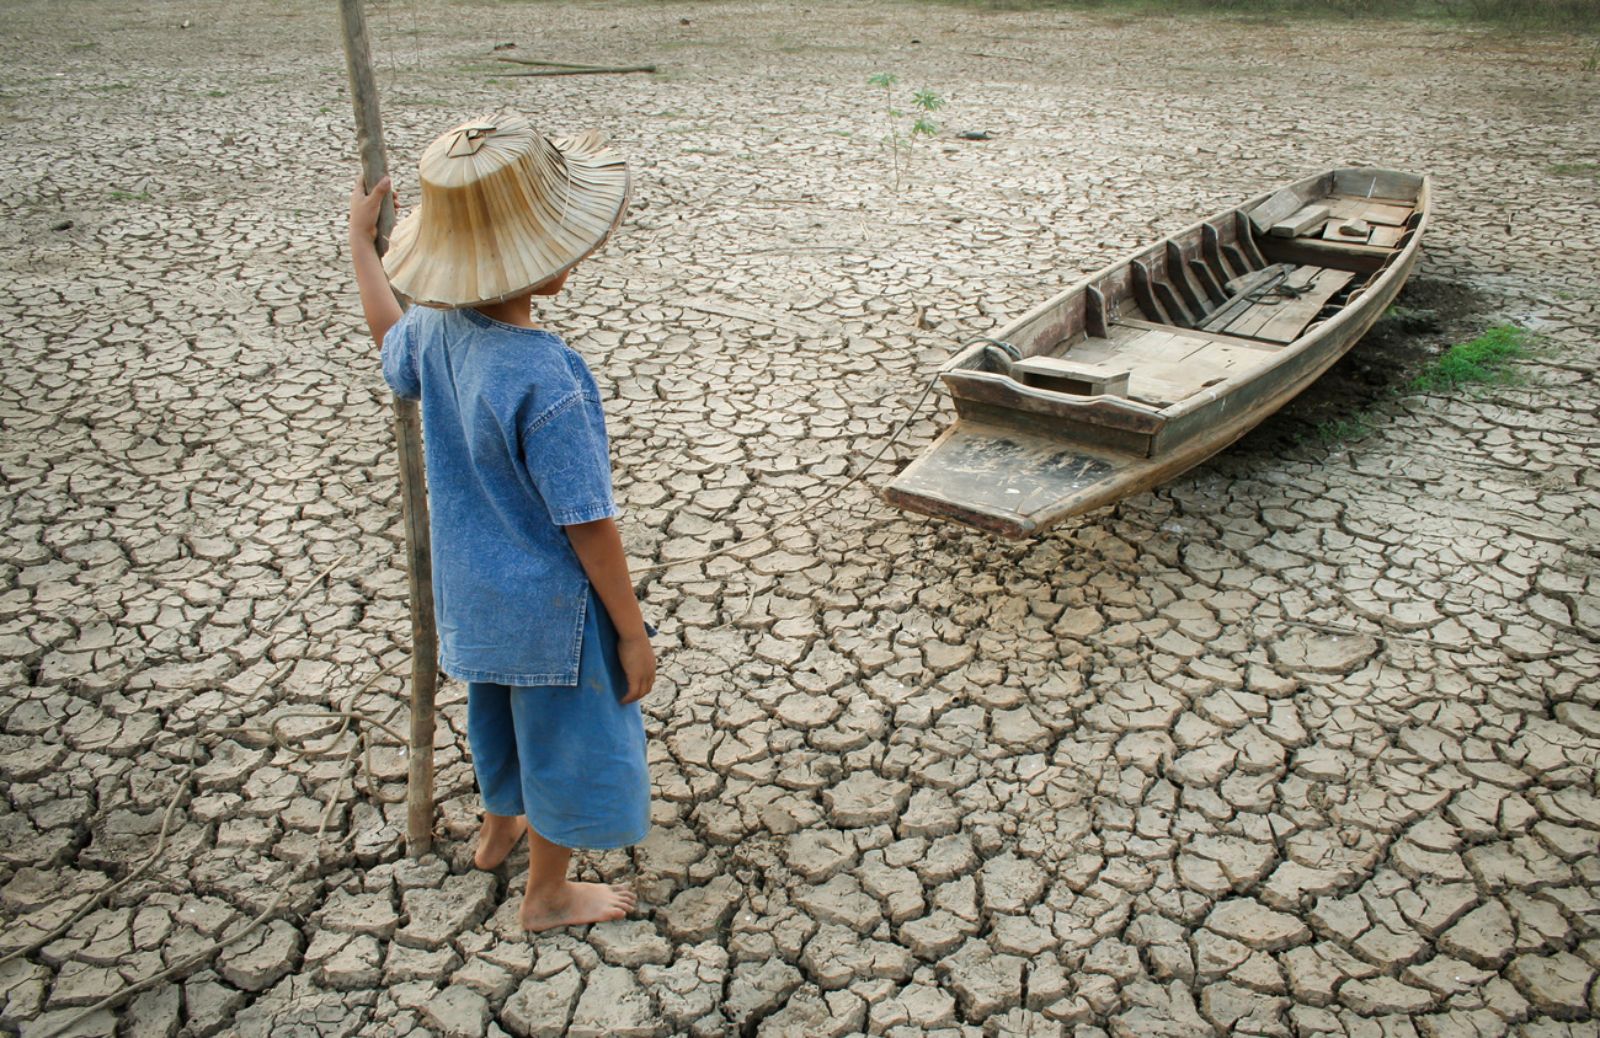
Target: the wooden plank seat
pixel 1166 365
pixel 1280 311
pixel 1073 378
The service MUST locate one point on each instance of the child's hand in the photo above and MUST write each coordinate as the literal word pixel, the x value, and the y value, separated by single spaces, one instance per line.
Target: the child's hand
pixel 639 664
pixel 598 545
pixel 364 208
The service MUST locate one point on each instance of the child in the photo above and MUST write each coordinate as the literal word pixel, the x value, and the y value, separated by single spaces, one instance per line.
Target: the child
pixel 535 607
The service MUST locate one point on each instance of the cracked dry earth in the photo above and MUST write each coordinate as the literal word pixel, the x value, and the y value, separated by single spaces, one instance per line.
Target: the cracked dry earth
pixel 1302 744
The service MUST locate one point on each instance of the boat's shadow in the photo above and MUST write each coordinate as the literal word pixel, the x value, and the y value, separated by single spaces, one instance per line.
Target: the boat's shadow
pixel 1345 404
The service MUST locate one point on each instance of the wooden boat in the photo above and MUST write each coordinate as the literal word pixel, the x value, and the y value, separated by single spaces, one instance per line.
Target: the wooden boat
pixel 1157 362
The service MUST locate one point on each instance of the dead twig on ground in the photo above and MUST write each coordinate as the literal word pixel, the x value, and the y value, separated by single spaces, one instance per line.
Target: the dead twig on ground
pixel 618 70
pixel 549 64
pixel 1340 630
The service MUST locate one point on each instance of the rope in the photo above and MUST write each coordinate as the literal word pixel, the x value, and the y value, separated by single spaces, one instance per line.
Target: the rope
pixel 783 517
pixel 363 744
pixel 161 846
pixel 319 578
pixel 1281 288
pixel 855 478
pixel 346 717
pixel 204 955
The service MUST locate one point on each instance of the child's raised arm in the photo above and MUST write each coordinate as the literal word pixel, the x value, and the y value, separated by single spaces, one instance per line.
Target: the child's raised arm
pixel 599 548
pixel 377 298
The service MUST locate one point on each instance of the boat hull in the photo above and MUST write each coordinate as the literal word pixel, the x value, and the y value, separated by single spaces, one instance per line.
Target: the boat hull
pixel 1015 462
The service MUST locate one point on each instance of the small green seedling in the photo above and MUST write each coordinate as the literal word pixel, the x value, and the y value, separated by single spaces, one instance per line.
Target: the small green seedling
pixel 923 104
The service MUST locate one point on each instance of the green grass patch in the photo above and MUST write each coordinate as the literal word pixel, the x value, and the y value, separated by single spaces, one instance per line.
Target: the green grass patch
pixel 1534 15
pixel 1570 15
pixel 1342 430
pixel 1576 169
pixel 130 196
pixel 1409 320
pixel 1480 361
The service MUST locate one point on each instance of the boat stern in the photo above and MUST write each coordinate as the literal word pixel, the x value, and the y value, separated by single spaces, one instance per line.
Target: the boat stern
pixel 1003 481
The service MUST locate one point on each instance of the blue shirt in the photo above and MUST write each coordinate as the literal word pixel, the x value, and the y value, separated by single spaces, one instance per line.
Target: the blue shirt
pixel 515 447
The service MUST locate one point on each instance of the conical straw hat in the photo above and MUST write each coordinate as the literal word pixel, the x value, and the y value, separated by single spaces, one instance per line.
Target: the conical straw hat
pixel 504 209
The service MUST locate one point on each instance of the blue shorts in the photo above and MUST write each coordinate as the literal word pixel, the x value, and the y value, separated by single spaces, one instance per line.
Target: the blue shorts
pixel 570 758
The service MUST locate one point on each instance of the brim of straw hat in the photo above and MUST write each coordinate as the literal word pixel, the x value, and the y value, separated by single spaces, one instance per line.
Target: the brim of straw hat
pixel 496 238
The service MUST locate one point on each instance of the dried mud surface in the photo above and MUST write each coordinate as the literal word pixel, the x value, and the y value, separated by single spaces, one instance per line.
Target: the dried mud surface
pixel 1304 743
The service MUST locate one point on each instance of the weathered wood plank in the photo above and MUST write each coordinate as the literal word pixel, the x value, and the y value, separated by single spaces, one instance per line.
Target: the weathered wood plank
pixel 1376 183
pixel 1341 208
pixel 1094 312
pixel 1178 272
pixel 1059 375
pixel 1218 358
pixel 1202 273
pixel 413 484
pixel 1388 215
pixel 1130 346
pixel 1245 232
pixel 1283 203
pixel 1144 294
pixel 1363 259
pixel 1301 221
pixel 997 477
pixel 1285 321
pixel 1353 230
pixel 1267 302
pixel 1241 296
pixel 1387 237
pixel 1199 335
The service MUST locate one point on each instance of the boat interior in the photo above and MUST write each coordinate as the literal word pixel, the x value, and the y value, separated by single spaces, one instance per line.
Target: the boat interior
pixel 1205 306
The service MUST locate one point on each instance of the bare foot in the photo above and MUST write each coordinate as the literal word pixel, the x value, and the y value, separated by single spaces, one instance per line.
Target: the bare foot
pixel 499 834
pixel 574 904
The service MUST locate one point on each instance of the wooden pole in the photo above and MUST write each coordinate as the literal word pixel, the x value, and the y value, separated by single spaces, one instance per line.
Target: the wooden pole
pixel 413 485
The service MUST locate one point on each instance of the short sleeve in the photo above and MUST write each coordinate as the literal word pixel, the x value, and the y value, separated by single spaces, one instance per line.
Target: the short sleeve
pixel 569 461
pixel 400 359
